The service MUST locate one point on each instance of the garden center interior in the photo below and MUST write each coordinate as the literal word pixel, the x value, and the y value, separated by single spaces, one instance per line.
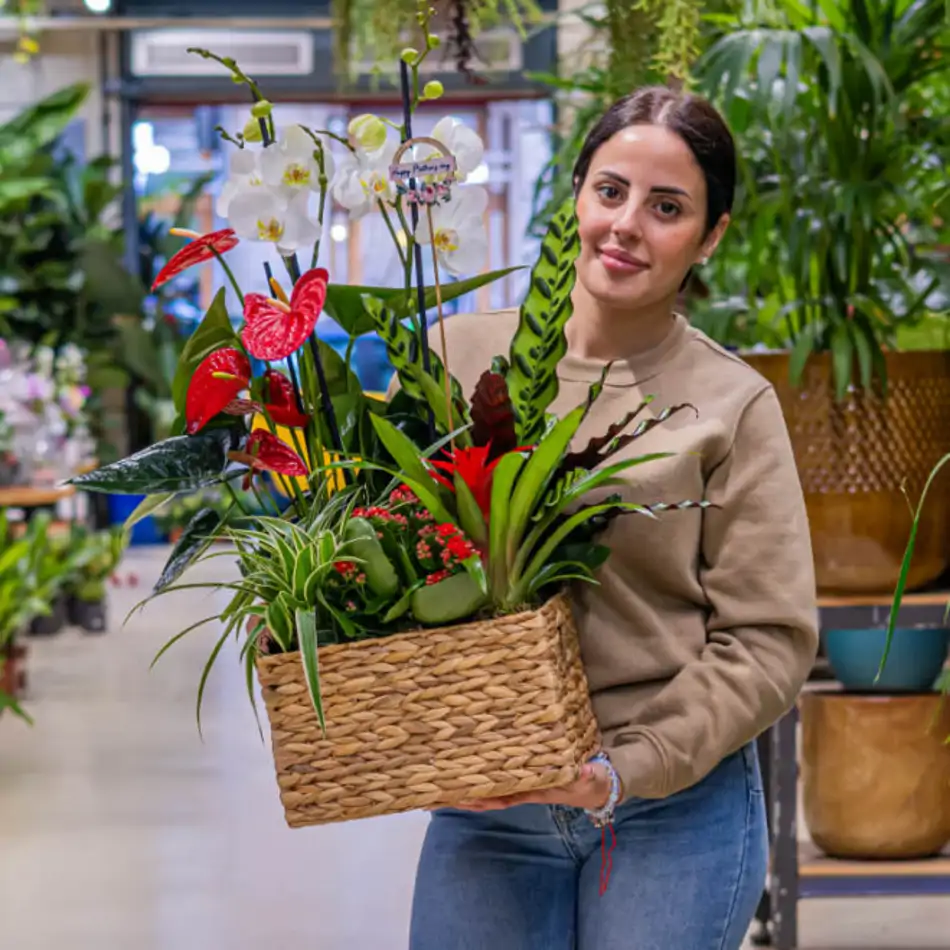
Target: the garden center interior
pixel 123 826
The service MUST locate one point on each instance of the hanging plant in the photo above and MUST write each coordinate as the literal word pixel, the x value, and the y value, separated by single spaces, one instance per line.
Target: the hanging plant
pixel 27 46
pixel 376 31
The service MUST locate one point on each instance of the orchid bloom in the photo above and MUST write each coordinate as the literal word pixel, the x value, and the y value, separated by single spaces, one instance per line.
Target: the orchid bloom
pixel 458 230
pixel 244 175
pixel 264 214
pixel 274 328
pixel 214 385
pixel 462 142
pixel 291 166
pixel 203 247
pixel 363 180
pixel 265 452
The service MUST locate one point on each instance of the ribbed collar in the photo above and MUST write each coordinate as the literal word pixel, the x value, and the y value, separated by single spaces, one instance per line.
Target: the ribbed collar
pixel 630 371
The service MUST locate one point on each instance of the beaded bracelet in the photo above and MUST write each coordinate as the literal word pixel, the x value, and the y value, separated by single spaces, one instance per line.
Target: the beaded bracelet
pixel 603 816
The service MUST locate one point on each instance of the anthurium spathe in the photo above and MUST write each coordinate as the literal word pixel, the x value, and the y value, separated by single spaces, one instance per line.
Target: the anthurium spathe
pixel 216 383
pixel 201 248
pixel 265 452
pixel 275 329
pixel 281 401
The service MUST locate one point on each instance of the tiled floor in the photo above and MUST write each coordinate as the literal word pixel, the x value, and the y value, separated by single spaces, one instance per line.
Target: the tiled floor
pixel 121 830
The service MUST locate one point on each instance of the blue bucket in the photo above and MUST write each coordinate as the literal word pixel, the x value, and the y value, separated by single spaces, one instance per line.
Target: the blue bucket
pixel 146 531
pixel 916 658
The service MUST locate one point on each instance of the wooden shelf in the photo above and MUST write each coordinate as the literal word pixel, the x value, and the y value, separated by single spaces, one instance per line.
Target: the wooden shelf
pixel 821 876
pixel 920 599
pixel 26 496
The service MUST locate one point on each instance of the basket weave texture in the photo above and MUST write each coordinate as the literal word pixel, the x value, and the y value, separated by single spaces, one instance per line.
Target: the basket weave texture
pixel 431 718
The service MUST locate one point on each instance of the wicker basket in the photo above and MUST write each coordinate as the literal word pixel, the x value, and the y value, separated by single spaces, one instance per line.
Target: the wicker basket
pixel 431 718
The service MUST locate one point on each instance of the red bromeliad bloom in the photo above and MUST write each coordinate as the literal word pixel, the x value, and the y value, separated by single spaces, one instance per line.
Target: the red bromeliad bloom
pixel 264 452
pixel 281 401
pixel 274 329
pixel 475 470
pixel 215 386
pixel 202 248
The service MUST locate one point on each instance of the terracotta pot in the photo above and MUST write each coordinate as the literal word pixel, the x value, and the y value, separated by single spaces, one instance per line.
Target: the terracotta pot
pixel 876 774
pixel 854 456
pixel 13 676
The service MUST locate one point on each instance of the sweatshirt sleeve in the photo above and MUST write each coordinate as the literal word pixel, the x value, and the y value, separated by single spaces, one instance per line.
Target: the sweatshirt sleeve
pixel 757 571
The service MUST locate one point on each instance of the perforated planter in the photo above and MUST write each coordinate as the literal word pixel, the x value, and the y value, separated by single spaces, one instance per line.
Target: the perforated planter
pixel 853 457
pixel 431 718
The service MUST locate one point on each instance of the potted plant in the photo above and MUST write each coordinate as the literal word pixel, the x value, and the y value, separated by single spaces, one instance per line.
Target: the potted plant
pixel 844 156
pixel 26 592
pixel 429 537
pixel 86 587
pixel 52 564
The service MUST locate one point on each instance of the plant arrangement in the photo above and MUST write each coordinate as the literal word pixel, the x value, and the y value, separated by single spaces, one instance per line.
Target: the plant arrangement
pixel 844 153
pixel 436 520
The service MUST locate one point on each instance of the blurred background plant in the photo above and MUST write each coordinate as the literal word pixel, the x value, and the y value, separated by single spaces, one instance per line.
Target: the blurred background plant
pixel 839 109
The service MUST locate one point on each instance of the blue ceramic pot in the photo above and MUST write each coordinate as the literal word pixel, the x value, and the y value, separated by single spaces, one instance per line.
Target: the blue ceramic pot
pixel 915 660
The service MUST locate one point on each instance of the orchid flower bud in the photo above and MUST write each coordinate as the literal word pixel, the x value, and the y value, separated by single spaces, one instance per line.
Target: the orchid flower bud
pixel 368 131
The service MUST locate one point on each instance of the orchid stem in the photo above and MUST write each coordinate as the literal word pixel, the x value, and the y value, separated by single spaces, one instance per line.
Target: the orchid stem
pixel 407 104
pixel 321 210
pixel 230 276
pixel 293 267
pixel 335 437
pixel 445 350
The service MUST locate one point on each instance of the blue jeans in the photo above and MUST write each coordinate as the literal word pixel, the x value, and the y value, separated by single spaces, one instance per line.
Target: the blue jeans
pixel 688 872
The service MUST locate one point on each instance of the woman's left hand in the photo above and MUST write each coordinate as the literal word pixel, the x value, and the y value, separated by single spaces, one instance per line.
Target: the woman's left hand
pixel 590 791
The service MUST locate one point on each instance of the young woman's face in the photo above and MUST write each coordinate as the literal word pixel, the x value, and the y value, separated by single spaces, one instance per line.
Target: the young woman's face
pixel 641 214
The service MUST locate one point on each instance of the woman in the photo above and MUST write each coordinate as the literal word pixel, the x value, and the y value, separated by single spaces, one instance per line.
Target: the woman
pixel 703 626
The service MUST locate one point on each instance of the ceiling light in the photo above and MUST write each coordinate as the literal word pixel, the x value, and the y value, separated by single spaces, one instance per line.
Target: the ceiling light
pixel 98 6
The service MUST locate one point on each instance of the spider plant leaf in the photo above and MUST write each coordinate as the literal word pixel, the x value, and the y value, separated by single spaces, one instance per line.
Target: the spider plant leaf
pixel 206 672
pixel 306 621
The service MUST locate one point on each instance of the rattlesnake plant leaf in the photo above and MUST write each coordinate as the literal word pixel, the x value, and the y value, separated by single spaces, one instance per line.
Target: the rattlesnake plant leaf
pixel 405 353
pixel 539 343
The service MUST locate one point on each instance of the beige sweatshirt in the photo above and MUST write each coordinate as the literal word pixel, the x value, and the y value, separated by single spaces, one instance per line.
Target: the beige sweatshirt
pixel 703 627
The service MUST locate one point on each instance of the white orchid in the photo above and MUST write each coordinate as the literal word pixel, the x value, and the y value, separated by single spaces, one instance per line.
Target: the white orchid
pixel 462 142
pixel 244 174
pixel 291 166
pixel 458 230
pixel 265 214
pixel 362 180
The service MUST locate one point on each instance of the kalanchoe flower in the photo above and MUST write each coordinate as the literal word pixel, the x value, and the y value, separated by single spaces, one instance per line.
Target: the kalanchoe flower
pixel 264 452
pixel 273 329
pixel 202 248
pixel 214 386
pixel 281 401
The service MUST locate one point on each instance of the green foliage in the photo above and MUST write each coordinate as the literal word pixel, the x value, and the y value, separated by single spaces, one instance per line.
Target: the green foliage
pixel 844 169
pixel 179 464
pixel 98 554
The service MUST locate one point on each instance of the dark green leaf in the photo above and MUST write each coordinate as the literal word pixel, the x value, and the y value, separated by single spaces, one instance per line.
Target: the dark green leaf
pixel 206 525
pixel 182 464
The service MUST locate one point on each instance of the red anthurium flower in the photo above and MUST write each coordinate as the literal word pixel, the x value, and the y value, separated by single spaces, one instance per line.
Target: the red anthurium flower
pixel 215 384
pixel 281 401
pixel 274 329
pixel 202 248
pixel 264 452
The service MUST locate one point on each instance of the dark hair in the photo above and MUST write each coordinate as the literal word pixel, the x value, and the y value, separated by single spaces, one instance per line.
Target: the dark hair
pixel 693 119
